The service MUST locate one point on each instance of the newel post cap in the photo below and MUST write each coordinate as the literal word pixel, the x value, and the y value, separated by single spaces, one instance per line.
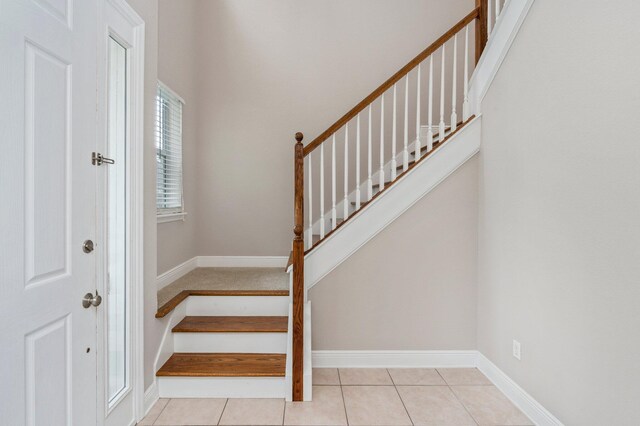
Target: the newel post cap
pixel 299 137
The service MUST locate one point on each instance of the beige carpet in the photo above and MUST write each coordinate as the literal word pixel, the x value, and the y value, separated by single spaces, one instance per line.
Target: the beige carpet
pixel 226 279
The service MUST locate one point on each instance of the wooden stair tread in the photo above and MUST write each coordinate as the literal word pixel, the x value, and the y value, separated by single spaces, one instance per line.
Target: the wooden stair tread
pixel 232 324
pixel 224 365
pixel 175 300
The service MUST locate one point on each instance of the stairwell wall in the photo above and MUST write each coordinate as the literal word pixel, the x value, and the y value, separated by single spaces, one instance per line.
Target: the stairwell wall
pixel 177 68
pixel 559 205
pixel 413 286
pixel 269 68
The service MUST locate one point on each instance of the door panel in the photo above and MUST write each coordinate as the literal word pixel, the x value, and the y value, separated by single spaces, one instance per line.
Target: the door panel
pixel 48 122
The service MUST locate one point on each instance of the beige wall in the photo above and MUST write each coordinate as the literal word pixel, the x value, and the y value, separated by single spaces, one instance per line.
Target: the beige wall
pixel 559 240
pixel 269 68
pixel 177 68
pixel 253 72
pixel 148 10
pixel 413 286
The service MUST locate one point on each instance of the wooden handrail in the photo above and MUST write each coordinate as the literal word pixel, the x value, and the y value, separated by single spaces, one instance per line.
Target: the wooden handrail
pixel 395 78
pixel 298 272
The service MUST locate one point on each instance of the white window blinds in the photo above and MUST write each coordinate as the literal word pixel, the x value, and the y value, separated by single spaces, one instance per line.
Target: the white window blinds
pixel 168 152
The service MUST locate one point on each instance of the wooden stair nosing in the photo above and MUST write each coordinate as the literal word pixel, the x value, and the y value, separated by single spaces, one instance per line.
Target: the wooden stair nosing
pixel 232 324
pixel 178 298
pixel 189 364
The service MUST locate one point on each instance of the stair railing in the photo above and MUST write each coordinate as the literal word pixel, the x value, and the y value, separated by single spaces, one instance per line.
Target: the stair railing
pixel 373 179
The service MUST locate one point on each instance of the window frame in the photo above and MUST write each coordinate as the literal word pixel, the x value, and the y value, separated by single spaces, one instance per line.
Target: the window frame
pixel 169 214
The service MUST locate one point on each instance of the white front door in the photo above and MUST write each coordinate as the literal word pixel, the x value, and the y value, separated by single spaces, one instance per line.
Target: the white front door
pixel 48 133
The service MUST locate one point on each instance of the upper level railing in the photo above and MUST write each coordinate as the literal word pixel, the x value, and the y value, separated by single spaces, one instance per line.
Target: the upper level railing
pixel 398 125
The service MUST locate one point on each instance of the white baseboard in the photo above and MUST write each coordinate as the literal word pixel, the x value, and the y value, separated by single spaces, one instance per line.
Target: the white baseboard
pixel 242 261
pixel 173 274
pixel 394 359
pixel 525 402
pixel 151 396
pixel 440 359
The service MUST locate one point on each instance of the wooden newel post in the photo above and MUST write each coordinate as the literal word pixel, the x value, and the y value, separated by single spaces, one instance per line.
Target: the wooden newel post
pixel 482 33
pixel 298 272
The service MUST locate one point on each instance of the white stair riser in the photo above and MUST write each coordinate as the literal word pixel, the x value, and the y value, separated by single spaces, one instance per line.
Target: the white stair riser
pixel 222 387
pixel 230 342
pixel 237 305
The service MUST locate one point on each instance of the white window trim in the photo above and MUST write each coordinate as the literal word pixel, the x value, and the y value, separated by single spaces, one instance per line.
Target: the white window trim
pixel 178 215
pixel 170 217
pixel 170 90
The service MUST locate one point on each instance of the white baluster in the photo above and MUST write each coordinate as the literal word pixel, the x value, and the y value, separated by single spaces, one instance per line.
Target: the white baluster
pixel 382 142
pixel 358 162
pixel 405 153
pixel 310 192
pixel 430 107
pixel 369 157
pixel 454 114
pixel 393 137
pixel 465 103
pixel 345 208
pixel 417 142
pixel 442 126
pixel 497 9
pixel 333 183
pixel 321 191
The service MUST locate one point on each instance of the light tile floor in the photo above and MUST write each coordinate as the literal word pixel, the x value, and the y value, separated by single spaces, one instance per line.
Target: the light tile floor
pixel 368 397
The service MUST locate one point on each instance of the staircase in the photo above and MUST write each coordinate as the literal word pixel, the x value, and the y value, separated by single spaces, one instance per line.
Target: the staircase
pixel 226 342
pixel 393 147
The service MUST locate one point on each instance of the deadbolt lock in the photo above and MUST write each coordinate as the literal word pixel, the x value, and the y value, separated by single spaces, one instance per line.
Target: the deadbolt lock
pixel 87 246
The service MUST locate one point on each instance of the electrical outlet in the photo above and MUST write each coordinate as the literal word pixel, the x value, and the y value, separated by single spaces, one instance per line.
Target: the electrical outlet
pixel 516 350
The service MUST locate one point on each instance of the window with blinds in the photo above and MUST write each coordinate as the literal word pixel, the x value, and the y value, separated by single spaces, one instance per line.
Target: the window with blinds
pixel 168 152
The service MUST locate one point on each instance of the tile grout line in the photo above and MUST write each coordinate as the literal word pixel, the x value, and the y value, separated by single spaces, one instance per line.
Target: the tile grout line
pixel 284 410
pixel 223 408
pixel 161 411
pixel 400 396
pixel 458 399
pixel 344 403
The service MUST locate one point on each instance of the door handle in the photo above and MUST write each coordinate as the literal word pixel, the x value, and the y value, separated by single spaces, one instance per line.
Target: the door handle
pixel 91 300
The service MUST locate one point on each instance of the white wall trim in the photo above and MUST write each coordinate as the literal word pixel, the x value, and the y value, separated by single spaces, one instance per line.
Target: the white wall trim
pixel 171 217
pixel 394 359
pixel 525 402
pixel 165 349
pixel 151 396
pixel 120 21
pixel 500 40
pixel 242 261
pixel 173 274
